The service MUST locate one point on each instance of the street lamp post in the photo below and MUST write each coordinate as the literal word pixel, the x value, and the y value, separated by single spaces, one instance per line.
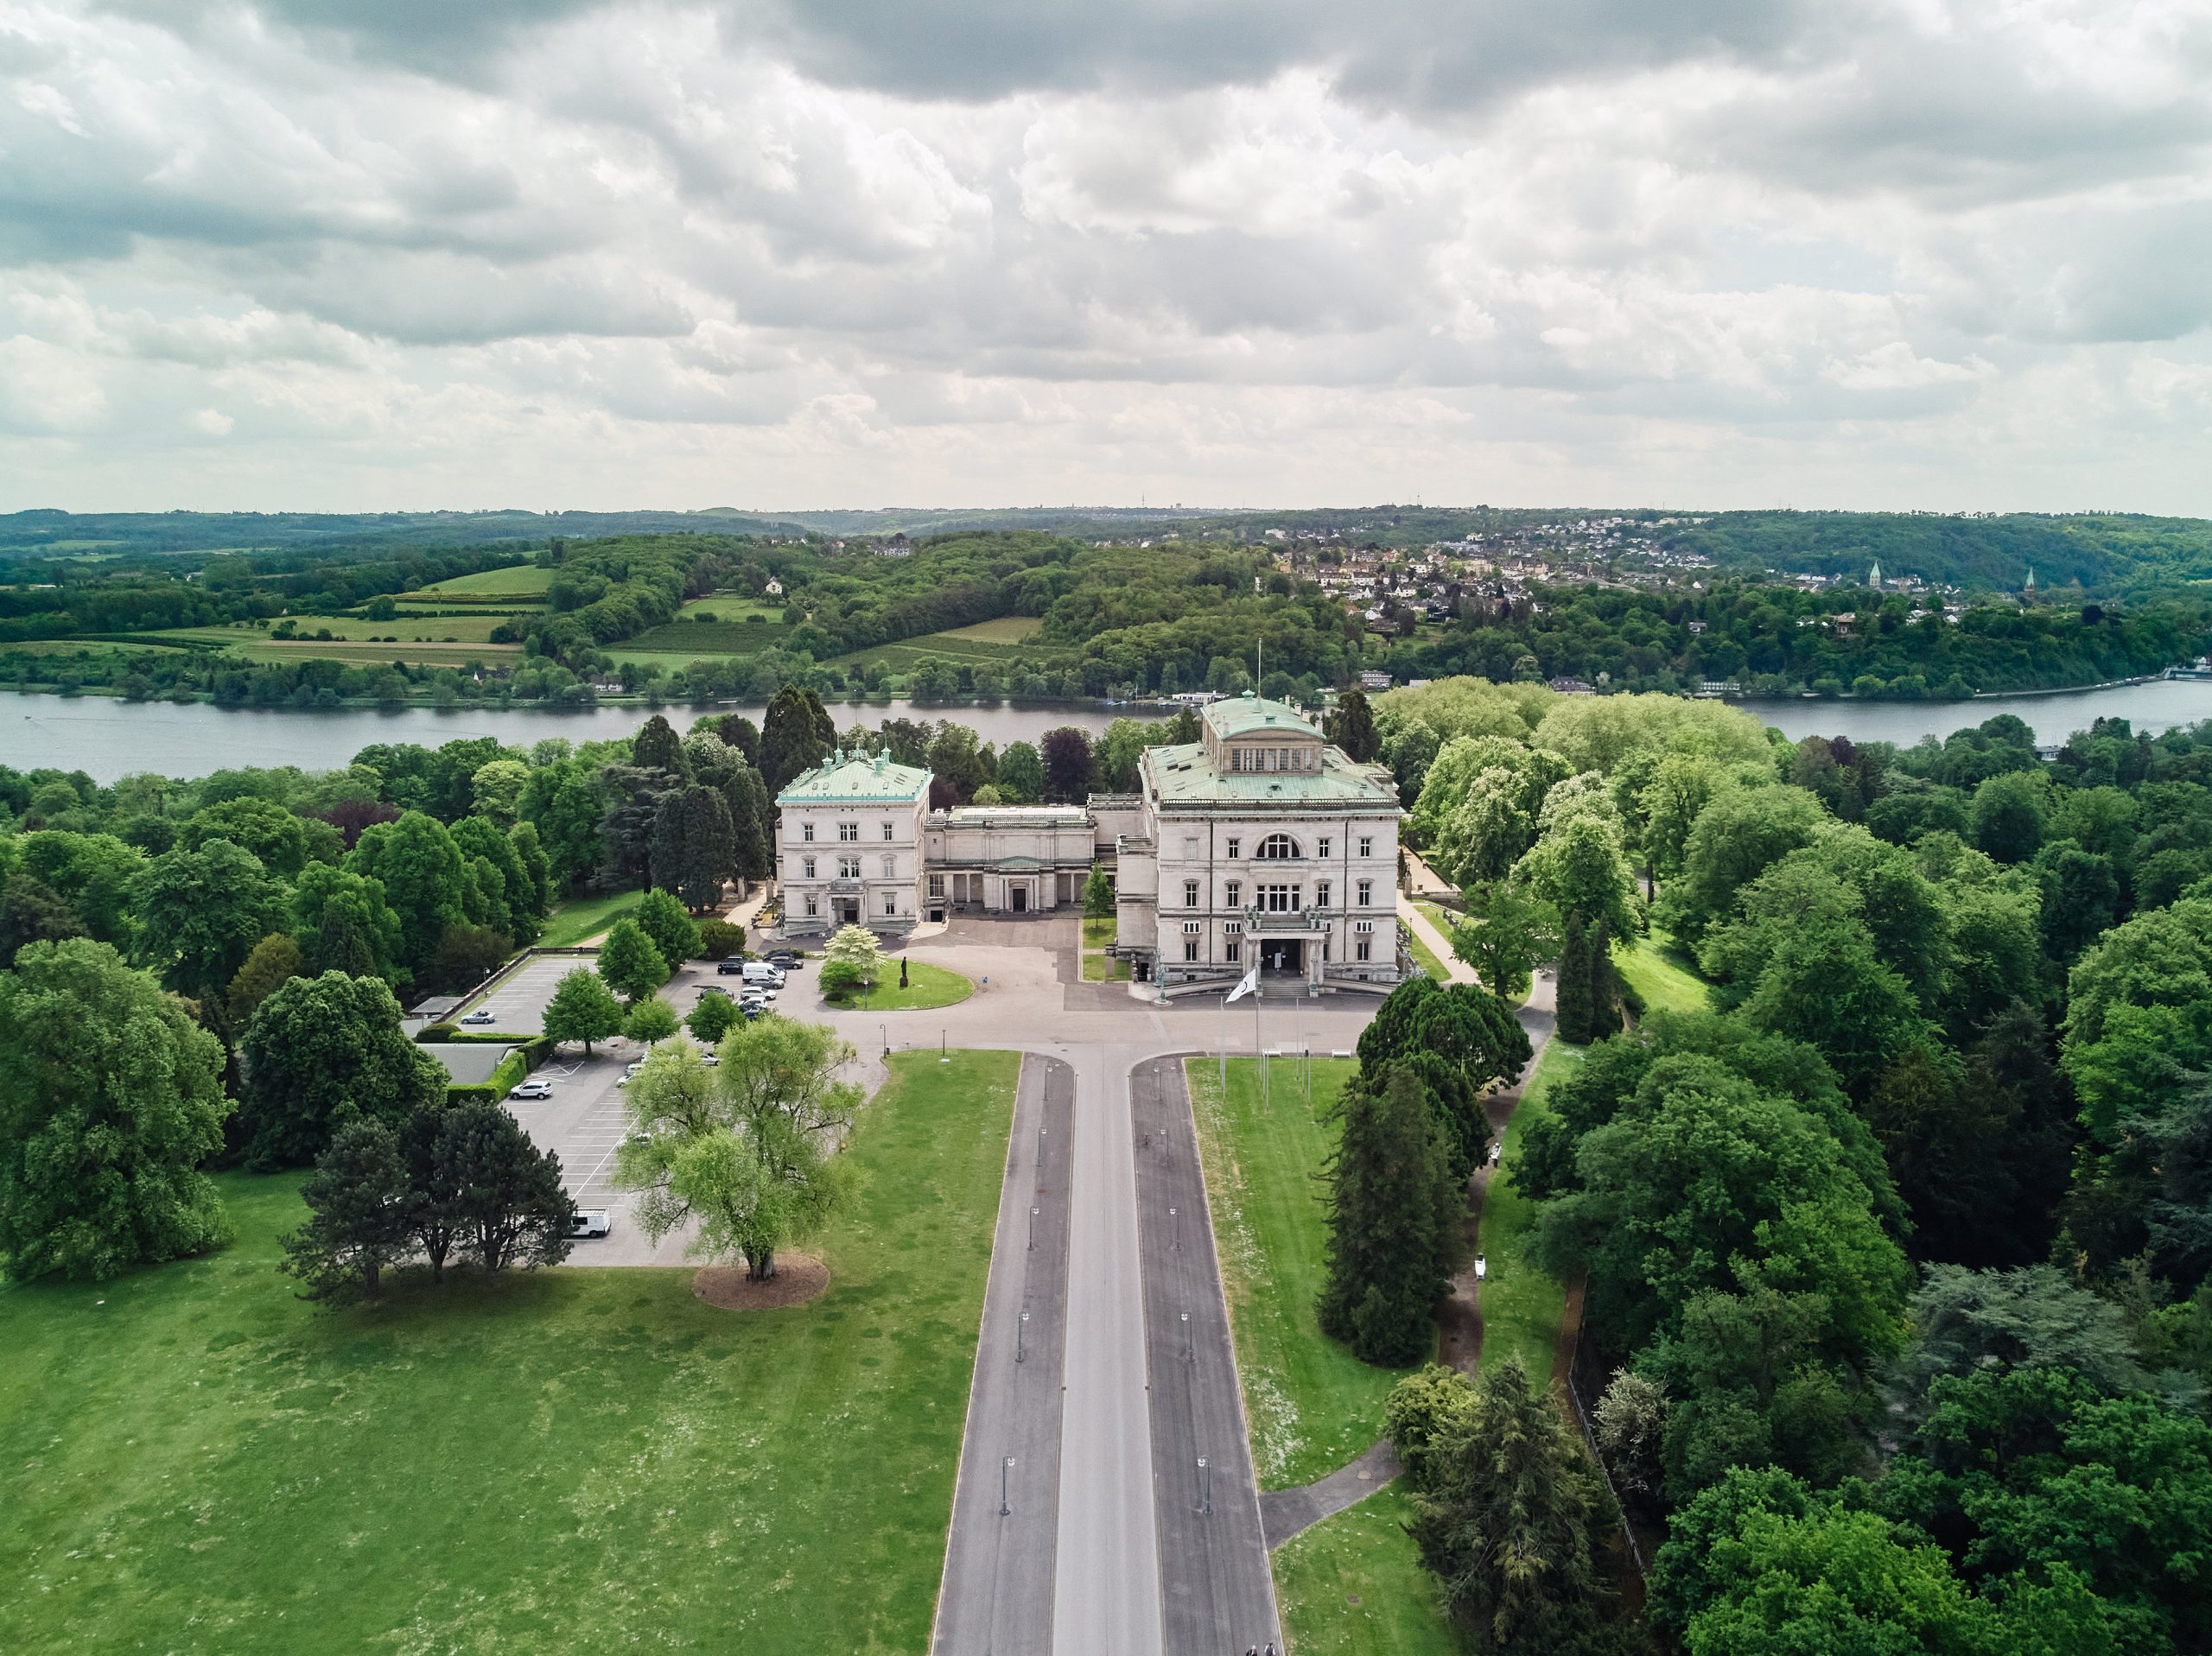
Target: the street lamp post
pixel 1005 1466
pixel 1189 1355
pixel 1205 1486
pixel 1032 1230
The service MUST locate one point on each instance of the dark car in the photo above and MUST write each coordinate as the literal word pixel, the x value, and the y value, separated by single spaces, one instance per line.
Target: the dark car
pixel 706 989
pixel 730 968
pixel 787 958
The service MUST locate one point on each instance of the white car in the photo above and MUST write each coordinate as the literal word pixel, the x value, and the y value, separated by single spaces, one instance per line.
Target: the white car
pixel 590 1221
pixel 482 1015
pixel 533 1089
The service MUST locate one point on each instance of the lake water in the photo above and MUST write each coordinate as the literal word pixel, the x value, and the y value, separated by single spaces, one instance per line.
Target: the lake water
pixel 109 738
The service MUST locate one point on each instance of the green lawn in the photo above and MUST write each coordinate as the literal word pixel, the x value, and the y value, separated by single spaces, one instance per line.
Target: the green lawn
pixel 1362 1554
pixel 1656 970
pixel 584 918
pixel 1522 1304
pixel 1312 1405
pixel 1426 957
pixel 518 580
pixel 199 1460
pixel 1099 966
pixel 927 986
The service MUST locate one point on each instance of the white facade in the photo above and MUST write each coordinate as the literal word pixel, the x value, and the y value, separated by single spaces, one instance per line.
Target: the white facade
pixel 1261 842
pixel 849 846
pixel 1006 858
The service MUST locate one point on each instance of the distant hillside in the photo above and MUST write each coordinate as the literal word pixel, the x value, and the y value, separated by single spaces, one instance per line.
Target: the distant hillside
pixel 2103 552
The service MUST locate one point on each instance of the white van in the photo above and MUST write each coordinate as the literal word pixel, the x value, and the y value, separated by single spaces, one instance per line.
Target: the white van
pixel 590 1222
pixel 761 973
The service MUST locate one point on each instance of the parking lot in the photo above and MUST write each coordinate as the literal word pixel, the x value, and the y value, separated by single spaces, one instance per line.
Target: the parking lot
pixel 584 1119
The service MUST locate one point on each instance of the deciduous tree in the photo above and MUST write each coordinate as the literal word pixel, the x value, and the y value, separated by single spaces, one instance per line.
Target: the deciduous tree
pixel 323 1051
pixel 111 1102
pixel 632 966
pixel 583 1008
pixel 200 913
pixel 359 1221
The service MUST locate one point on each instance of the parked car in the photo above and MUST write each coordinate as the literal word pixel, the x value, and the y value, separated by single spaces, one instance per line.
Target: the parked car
pixel 731 968
pixel 590 1221
pixel 482 1015
pixel 762 973
pixel 533 1089
pixel 784 959
pixel 713 989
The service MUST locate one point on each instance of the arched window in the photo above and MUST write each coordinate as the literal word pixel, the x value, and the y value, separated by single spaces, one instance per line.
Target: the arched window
pixel 1278 847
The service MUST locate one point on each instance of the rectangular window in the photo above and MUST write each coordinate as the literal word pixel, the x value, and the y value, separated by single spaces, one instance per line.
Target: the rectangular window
pixel 1365 928
pixel 848 868
pixel 1231 951
pixel 1190 894
pixel 1363 948
pixel 806 867
pixel 937 884
pixel 1191 929
pixel 1325 844
pixel 1278 899
pixel 1236 849
pixel 1190 948
pixel 1367 894
pixel 1234 927
pixel 813 908
pixel 891 868
pixel 848 831
pixel 1236 893
pixel 891 903
pixel 1190 851
pixel 887 830
pixel 806 832
pixel 1321 894
pixel 1366 845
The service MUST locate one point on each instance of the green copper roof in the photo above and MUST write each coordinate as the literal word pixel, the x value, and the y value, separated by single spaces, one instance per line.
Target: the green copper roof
pixel 858 780
pixel 1248 716
pixel 1184 775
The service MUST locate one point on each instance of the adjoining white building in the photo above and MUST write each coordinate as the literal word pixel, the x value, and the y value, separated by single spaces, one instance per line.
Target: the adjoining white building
pixel 1007 859
pixel 1262 842
pixel 848 846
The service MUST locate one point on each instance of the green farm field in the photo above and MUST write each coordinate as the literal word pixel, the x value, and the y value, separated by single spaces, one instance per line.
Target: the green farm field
pixel 562 1460
pixel 518 580
pixel 1311 1404
pixel 373 654
pixel 1004 630
pixel 353 629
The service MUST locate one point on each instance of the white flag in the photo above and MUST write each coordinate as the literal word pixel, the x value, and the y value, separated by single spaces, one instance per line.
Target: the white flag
pixel 1250 984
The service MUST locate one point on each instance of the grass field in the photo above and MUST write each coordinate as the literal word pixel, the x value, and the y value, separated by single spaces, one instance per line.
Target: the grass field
pixel 1363 1554
pixel 1312 1405
pixel 1099 966
pixel 1521 1303
pixel 1659 971
pixel 970 646
pixel 518 580
pixel 353 629
pixel 584 918
pixel 1005 629
pixel 927 986
pixel 562 1461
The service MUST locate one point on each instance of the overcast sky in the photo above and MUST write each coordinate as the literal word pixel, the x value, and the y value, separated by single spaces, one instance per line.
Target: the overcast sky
pixel 1010 252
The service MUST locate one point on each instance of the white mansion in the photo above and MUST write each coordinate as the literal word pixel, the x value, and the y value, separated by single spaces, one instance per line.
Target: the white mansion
pixel 1259 842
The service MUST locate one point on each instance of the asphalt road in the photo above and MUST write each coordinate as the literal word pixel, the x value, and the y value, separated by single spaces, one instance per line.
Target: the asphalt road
pixel 1106 1590
pixel 997 1595
pixel 1216 1591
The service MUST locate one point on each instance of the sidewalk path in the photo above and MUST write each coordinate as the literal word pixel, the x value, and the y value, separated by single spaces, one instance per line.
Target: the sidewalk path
pixel 1286 1513
pixel 1425 929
